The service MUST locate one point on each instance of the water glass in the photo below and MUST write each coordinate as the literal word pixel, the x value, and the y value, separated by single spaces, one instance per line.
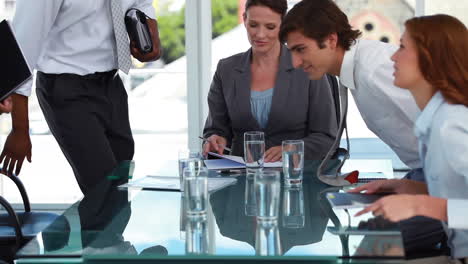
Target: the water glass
pixel 254 149
pixel 250 204
pixel 191 159
pixel 293 162
pixel 267 239
pixel 196 237
pixel 267 194
pixel 196 191
pixel 293 207
pixel 182 217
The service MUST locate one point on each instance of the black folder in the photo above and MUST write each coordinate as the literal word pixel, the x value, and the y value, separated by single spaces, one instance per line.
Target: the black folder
pixel 14 70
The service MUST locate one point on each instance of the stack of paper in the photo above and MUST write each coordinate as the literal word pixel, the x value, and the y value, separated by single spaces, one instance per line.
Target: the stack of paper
pixel 173 183
pixel 233 162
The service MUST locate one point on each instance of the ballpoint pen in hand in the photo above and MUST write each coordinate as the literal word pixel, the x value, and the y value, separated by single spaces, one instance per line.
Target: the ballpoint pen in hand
pixel 207 140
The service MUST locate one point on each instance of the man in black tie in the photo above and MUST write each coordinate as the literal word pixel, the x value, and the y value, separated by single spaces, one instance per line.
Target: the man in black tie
pixel 322 41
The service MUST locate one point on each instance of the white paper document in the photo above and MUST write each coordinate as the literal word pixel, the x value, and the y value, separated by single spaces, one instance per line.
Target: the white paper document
pixel 173 183
pixel 233 162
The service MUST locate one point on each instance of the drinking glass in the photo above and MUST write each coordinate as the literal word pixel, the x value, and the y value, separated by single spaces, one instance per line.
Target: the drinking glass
pixel 182 217
pixel 191 159
pixel 249 195
pixel 254 150
pixel 267 239
pixel 293 207
pixel 293 162
pixel 196 191
pixel 267 193
pixel 196 239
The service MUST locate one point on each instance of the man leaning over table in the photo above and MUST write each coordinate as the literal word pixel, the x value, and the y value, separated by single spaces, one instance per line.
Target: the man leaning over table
pixel 322 41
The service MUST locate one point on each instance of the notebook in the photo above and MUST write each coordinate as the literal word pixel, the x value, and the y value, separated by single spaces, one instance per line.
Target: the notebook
pixel 233 162
pixel 14 69
pixel 342 200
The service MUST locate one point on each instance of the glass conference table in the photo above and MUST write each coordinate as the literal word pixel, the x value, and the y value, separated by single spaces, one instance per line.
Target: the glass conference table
pixel 136 225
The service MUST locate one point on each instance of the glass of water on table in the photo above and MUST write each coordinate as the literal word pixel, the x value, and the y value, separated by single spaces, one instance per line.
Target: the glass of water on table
pixel 293 162
pixel 190 159
pixel 254 150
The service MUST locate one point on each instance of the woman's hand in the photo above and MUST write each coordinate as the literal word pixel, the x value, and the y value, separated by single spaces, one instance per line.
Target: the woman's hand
pixel 214 143
pixel 394 186
pixel 273 154
pixel 400 207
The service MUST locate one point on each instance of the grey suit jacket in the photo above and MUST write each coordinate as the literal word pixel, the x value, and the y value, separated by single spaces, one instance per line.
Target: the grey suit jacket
pixel 301 108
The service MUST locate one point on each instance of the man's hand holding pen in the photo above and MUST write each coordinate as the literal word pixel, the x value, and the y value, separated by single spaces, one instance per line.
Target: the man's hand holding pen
pixel 214 143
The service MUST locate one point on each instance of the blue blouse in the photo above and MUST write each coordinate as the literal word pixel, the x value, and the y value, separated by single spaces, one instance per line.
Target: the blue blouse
pixel 442 130
pixel 260 103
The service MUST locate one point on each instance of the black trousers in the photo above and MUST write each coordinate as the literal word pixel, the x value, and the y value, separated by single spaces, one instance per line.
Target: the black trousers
pixel 88 116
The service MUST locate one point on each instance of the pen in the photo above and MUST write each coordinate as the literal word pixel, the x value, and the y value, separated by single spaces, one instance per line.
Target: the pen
pixel 207 140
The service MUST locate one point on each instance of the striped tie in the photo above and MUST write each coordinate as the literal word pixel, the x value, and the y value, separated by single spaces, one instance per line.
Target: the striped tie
pixel 120 32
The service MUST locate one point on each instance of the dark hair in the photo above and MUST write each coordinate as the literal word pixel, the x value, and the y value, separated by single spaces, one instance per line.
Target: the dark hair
pixel 317 19
pixel 441 42
pixel 278 6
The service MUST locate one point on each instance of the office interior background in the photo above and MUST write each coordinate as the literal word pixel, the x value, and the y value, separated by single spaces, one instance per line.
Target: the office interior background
pixel 167 98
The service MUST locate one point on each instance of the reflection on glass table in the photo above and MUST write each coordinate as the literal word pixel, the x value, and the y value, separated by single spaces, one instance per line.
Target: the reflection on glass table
pixel 133 225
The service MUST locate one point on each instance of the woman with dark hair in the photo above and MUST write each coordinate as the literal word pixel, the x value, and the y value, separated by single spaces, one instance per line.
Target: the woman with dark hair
pixel 259 90
pixel 432 63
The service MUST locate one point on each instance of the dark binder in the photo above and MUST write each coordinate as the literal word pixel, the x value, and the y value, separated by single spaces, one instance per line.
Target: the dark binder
pixel 14 70
pixel 138 30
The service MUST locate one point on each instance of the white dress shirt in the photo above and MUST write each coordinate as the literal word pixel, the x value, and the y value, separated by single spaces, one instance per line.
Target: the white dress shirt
pixel 442 130
pixel 388 111
pixel 69 36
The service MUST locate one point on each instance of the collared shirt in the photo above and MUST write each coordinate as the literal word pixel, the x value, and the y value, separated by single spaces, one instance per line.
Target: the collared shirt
pixel 442 130
pixel 388 111
pixel 69 36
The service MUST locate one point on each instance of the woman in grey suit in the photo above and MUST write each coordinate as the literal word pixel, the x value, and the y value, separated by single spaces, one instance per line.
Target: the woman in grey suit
pixel 259 90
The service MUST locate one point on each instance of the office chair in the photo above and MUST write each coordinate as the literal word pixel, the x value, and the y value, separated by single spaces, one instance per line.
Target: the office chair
pixel 17 228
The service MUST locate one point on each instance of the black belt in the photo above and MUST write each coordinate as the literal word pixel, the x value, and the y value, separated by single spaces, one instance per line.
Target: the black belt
pixel 92 76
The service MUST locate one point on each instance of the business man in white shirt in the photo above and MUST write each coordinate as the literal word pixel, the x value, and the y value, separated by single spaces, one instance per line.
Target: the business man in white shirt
pixel 77 48
pixel 322 41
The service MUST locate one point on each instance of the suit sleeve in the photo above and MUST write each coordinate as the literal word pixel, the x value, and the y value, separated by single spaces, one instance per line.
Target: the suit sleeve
pixel 218 121
pixel 322 128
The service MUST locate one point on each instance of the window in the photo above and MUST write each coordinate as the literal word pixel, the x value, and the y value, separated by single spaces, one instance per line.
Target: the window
pixel 457 9
pixel 157 96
